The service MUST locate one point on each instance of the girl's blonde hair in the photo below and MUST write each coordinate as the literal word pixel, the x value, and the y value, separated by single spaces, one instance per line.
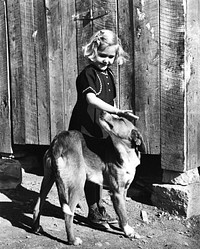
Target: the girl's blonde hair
pixel 102 39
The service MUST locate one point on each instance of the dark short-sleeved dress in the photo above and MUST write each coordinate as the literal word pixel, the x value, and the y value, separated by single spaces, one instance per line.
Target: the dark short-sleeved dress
pixel 85 117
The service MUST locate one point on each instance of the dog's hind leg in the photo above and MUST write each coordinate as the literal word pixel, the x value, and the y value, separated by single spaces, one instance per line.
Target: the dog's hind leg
pixel 69 198
pixel 74 199
pixel 70 180
pixel 46 185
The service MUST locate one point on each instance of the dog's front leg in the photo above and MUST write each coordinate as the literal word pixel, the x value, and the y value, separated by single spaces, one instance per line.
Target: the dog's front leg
pixel 120 208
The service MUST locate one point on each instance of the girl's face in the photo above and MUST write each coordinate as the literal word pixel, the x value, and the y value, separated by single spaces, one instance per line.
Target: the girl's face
pixel 106 57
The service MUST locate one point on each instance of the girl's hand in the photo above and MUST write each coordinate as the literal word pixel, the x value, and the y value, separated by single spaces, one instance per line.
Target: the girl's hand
pixel 127 114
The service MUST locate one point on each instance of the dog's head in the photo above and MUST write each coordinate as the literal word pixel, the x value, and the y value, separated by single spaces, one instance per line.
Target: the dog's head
pixel 123 130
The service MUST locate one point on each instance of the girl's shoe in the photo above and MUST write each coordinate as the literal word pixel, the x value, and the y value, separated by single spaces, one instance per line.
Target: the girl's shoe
pixel 95 219
pixel 106 217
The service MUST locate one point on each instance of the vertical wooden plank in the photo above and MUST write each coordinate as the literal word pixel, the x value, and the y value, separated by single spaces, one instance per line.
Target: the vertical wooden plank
pixel 41 71
pixel 146 71
pixel 108 21
pixel 29 72
pixel 84 29
pixel 30 93
pixel 126 85
pixel 16 71
pixel 69 58
pixel 172 34
pixel 192 83
pixel 5 124
pixel 55 52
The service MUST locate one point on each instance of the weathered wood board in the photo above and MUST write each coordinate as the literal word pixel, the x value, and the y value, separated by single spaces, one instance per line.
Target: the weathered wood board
pixel 55 58
pixel 106 18
pixel 180 95
pixel 146 71
pixel 126 93
pixel 41 72
pixel 192 81
pixel 29 75
pixel 29 69
pixel 172 32
pixel 5 108
pixel 69 47
pixel 16 70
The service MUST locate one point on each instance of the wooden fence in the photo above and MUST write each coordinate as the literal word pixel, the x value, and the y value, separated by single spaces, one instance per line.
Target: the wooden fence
pixel 40 57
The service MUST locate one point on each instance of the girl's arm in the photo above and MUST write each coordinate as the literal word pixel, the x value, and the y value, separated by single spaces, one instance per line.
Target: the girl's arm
pixel 100 104
pixel 92 99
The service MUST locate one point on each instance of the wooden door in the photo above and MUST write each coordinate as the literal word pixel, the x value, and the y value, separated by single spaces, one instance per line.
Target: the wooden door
pixel 45 41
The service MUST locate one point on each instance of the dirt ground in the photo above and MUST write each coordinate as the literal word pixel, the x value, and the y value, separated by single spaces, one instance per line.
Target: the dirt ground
pixel 160 231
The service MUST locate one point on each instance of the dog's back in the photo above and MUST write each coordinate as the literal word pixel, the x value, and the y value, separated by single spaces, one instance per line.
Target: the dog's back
pixel 80 152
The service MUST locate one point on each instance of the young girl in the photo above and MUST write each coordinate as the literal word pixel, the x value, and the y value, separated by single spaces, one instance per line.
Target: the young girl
pixel 96 92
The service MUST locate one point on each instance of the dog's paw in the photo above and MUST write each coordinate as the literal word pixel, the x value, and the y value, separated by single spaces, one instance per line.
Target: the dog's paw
pixel 76 242
pixel 130 232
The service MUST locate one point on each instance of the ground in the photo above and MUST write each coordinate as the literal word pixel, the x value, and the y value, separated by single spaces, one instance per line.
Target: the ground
pixel 161 230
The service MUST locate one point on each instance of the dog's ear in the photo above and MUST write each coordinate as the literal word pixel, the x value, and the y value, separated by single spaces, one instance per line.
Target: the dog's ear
pixel 137 141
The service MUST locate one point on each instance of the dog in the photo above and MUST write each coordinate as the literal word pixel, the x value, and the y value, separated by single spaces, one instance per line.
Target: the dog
pixel 73 158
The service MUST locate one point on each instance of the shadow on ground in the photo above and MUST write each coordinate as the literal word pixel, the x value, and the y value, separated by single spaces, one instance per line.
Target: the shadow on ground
pixel 23 200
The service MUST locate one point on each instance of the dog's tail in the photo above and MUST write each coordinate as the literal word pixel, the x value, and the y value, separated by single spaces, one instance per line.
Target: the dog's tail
pixel 62 196
pixel 58 165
